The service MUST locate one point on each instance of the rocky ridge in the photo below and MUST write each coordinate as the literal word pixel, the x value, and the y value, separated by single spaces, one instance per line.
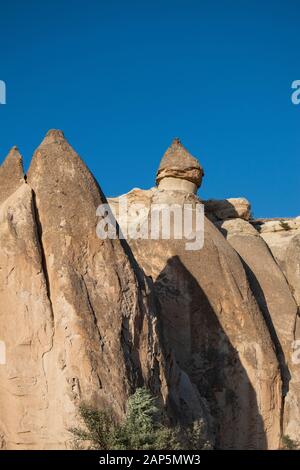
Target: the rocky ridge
pixel 212 333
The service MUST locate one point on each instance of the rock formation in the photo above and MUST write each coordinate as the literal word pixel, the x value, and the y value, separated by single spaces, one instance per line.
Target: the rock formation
pixel 76 313
pixel 282 238
pixel 211 319
pixel 231 208
pixel 278 234
pixel 11 174
pixel 292 263
pixel 277 304
pixel 211 332
pixel 178 169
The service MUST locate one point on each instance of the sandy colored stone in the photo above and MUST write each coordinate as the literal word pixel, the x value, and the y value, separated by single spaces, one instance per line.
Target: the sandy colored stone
pixel 76 313
pixel 177 162
pixel 26 327
pixel 292 261
pixel 277 225
pixel 292 402
pixel 276 301
pixel 227 209
pixel 11 174
pixel 216 329
pixel 278 234
pixel 210 332
pixel 266 278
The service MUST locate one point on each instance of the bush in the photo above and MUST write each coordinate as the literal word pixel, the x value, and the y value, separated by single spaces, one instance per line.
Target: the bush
pixel 289 444
pixel 142 429
pixel 285 225
pixel 101 431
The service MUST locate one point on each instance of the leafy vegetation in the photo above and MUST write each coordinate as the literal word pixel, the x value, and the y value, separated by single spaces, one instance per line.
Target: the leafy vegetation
pixel 143 428
pixel 284 225
pixel 289 444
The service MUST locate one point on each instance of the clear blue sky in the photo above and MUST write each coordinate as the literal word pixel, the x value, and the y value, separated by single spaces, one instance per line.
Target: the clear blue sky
pixel 122 78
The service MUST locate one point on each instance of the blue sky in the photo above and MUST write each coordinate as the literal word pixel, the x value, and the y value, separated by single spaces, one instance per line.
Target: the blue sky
pixel 122 78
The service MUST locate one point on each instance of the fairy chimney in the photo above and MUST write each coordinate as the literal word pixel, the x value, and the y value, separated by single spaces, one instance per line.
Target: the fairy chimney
pixel 11 174
pixel 179 170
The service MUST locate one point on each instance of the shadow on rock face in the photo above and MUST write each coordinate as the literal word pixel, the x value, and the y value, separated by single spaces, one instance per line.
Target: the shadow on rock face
pixel 227 209
pixel 261 299
pixel 204 352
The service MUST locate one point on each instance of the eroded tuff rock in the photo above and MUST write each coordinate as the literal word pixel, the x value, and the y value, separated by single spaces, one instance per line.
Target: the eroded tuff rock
pixel 211 333
pixel 224 209
pixel 266 278
pixel 282 237
pixel 178 168
pixel 278 233
pixel 292 260
pixel 278 305
pixel 11 174
pixel 215 326
pixel 26 328
pixel 76 313
pixel 292 403
pixel 211 317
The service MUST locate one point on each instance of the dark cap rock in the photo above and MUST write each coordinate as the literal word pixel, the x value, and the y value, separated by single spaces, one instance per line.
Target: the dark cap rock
pixel 177 162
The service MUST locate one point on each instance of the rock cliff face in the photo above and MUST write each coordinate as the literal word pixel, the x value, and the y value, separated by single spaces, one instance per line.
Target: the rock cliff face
pixel 77 314
pixel 211 332
pixel 213 322
pixel 282 239
pixel 11 174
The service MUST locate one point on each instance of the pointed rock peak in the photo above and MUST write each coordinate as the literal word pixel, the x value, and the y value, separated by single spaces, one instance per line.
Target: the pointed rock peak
pixel 11 174
pixel 13 155
pixel 13 164
pixel 53 136
pixel 177 162
pixel 62 183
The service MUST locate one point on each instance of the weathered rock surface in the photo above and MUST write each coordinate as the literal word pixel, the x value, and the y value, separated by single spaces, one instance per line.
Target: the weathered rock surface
pixel 282 237
pixel 76 313
pixel 231 208
pixel 211 332
pixel 213 322
pixel 292 262
pixel 278 305
pixel 292 403
pixel 25 326
pixel 11 174
pixel 178 164
pixel 278 234
pixel 267 280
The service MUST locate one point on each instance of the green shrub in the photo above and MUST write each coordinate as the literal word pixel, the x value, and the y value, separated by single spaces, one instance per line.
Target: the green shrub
pixel 284 225
pixel 144 428
pixel 289 444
